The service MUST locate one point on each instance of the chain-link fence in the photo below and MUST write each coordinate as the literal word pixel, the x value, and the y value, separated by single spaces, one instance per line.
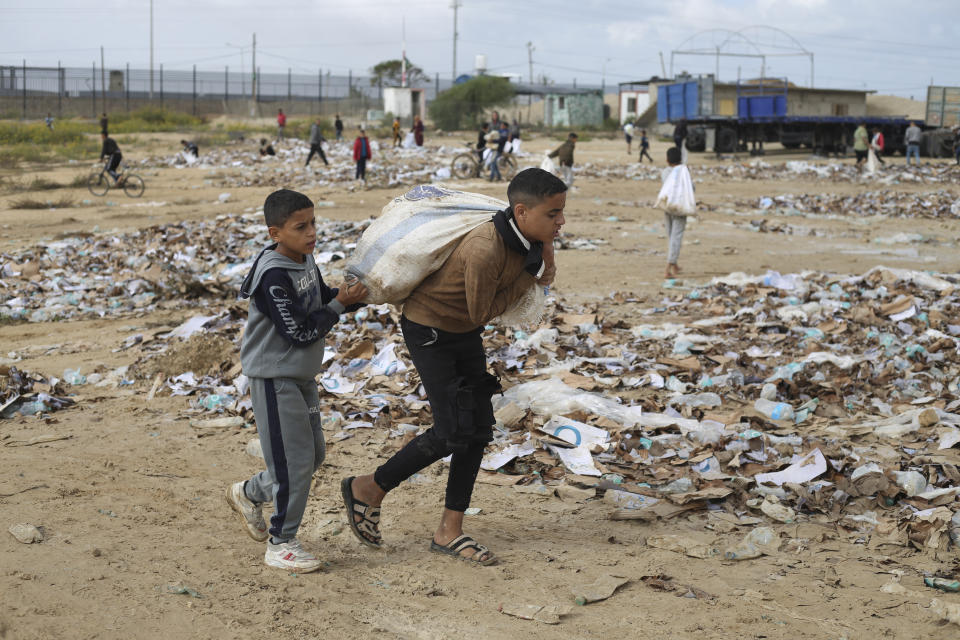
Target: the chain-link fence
pixel 33 92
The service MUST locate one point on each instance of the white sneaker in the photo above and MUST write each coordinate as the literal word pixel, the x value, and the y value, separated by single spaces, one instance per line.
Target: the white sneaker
pixel 251 512
pixel 291 556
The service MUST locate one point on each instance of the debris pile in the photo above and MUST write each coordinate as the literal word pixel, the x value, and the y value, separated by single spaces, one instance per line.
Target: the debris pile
pixel 175 265
pixel 940 204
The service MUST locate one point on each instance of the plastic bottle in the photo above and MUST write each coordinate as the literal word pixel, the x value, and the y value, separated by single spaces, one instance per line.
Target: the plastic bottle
pixel 74 377
pixel 212 401
pixel 757 542
pixel 774 410
pixel 769 391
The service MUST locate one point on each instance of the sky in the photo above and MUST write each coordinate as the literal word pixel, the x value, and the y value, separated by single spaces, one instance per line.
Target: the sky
pixel 878 45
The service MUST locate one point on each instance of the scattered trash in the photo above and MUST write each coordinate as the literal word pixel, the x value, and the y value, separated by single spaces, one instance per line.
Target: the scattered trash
pixel 183 590
pixel 943 584
pixel 548 614
pixel 26 533
pixel 600 589
pixel 760 541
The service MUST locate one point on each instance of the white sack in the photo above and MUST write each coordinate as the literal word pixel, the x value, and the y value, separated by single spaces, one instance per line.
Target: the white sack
pixel 414 236
pixel 676 196
pixel 548 165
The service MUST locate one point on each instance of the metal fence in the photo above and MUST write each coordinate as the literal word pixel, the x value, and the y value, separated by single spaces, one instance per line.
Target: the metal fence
pixel 32 92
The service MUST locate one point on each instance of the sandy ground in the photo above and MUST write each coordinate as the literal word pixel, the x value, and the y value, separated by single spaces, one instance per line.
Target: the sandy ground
pixel 132 501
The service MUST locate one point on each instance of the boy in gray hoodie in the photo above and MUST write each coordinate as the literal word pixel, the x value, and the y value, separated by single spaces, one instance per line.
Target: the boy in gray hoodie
pixel 291 309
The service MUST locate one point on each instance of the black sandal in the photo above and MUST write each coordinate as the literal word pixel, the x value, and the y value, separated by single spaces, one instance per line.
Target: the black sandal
pixel 456 546
pixel 369 525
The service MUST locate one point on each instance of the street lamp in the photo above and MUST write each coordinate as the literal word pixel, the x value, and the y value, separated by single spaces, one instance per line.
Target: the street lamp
pixel 603 77
pixel 243 85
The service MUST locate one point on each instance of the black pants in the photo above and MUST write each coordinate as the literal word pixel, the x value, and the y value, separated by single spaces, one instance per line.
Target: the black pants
pixel 115 159
pixel 361 169
pixel 644 152
pixel 318 150
pixel 453 370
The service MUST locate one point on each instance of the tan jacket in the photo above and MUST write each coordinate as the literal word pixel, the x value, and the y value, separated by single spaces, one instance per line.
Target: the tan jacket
pixel 478 282
pixel 564 153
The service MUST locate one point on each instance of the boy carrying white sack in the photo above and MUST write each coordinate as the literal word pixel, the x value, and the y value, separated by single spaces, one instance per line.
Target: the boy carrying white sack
pixel 677 200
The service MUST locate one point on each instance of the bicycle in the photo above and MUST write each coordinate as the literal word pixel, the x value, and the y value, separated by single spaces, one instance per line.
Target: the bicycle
pixel 99 182
pixel 468 165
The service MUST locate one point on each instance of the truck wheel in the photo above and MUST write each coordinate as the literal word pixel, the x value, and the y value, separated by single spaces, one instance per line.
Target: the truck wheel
pixel 696 139
pixel 726 141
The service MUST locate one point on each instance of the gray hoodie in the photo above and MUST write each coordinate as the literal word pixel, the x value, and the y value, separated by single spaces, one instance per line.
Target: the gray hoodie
pixel 291 309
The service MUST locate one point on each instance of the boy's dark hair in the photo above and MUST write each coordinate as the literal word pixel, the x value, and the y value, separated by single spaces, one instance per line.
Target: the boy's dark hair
pixel 573 136
pixel 673 155
pixel 281 204
pixel 531 186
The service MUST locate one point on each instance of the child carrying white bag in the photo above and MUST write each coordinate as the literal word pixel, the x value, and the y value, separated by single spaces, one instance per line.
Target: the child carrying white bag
pixel 414 236
pixel 678 201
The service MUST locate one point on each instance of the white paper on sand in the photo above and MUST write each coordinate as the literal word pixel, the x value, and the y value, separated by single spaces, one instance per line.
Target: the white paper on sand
pixel 190 327
pixel 578 460
pixel 803 469
pixel 496 459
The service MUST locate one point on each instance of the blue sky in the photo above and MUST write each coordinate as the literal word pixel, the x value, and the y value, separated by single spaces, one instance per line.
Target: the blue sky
pixel 874 45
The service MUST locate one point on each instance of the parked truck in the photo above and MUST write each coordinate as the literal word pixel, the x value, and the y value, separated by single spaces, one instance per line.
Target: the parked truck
pixel 741 116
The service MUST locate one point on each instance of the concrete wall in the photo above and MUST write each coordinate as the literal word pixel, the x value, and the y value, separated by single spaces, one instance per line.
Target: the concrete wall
pixel 573 110
pixel 405 102
pixel 641 101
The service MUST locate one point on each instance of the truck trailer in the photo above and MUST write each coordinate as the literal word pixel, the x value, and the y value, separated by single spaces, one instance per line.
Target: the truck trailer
pixel 742 116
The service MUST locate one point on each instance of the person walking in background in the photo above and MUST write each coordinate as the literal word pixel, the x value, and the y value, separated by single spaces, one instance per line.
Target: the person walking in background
pixel 361 153
pixel 316 143
pixel 861 144
pixel 338 127
pixel 912 140
pixel 628 134
pixel 678 201
pixel 49 121
pixel 482 140
pixel 515 137
pixel 876 144
pixel 281 123
pixel 417 130
pixel 644 146
pixel 502 140
pixel 396 132
pixel 564 156
pixel 104 129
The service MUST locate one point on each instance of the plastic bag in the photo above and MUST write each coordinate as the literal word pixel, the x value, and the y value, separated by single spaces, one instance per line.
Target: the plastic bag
pixel 553 397
pixel 676 196
pixel 548 165
pixel 409 141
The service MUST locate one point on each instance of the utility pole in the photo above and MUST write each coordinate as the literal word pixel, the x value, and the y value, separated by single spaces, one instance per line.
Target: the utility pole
pixel 103 84
pixel 253 69
pixel 403 54
pixel 455 5
pixel 530 49
pixel 151 49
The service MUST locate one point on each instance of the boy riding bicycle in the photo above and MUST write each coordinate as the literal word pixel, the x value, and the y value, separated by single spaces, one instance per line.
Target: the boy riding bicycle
pixel 111 151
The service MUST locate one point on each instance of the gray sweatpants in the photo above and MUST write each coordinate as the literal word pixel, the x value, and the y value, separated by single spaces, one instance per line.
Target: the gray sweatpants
pixel 288 422
pixel 675 227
